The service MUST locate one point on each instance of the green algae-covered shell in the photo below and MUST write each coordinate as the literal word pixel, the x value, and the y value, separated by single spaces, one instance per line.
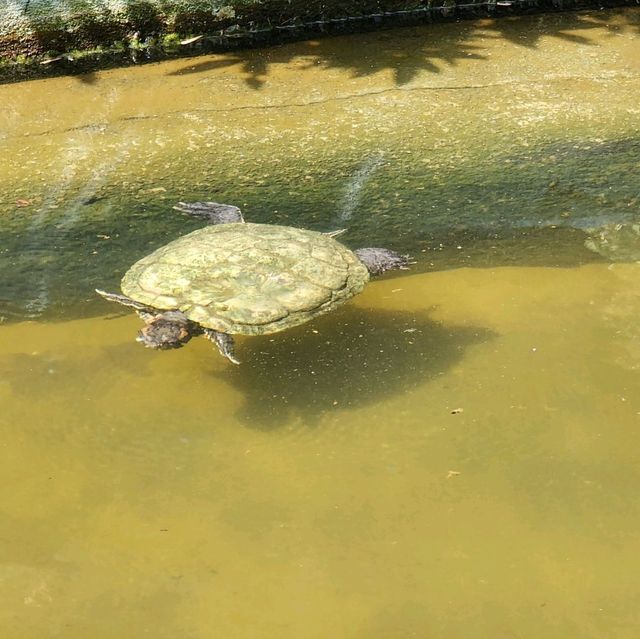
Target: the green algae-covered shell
pixel 250 279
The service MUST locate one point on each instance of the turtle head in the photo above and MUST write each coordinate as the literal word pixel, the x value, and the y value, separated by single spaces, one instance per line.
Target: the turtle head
pixel 166 331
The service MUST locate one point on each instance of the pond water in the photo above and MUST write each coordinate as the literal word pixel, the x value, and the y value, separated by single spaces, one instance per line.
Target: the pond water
pixel 451 454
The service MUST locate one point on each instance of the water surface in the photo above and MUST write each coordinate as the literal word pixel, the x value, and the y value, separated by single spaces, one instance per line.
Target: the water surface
pixel 450 455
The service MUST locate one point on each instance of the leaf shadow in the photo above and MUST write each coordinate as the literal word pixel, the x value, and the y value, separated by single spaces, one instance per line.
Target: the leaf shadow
pixel 408 51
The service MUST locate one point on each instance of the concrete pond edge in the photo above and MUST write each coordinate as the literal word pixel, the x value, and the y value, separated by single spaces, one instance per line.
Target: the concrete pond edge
pixel 40 38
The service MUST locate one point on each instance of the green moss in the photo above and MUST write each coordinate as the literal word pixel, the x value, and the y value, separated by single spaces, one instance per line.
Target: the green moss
pixel 170 42
pixel 145 18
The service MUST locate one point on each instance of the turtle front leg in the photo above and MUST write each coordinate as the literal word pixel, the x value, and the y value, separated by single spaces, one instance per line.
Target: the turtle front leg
pixel 335 233
pixel 212 212
pixel 379 260
pixel 127 301
pixel 224 342
pixel 146 313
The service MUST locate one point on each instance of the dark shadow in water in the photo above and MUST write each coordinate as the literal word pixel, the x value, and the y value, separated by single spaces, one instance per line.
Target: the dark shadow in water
pixel 397 54
pixel 90 77
pixel 352 358
pixel 412 50
pixel 615 21
pixel 349 359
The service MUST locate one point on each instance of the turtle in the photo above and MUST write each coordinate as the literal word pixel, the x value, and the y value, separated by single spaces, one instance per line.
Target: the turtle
pixel 235 277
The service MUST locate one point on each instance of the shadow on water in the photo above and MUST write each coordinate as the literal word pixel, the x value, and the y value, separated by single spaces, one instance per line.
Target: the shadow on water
pixel 349 359
pixel 352 358
pixel 429 54
pixel 87 78
pixel 393 55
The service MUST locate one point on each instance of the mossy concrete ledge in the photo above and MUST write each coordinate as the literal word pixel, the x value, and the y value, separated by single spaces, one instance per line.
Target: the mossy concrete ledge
pixel 37 27
pixel 39 37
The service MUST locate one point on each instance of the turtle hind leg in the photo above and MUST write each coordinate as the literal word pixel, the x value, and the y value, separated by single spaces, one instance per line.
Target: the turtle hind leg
pixel 379 260
pixel 224 342
pixel 212 212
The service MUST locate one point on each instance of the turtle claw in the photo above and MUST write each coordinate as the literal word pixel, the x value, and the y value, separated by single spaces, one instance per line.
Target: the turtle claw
pixel 224 342
pixel 335 233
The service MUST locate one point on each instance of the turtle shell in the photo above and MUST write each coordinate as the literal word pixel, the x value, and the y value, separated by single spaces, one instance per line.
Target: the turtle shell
pixel 250 279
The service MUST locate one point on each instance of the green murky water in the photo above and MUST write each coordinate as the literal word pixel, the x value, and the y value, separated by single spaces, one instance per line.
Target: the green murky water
pixel 450 455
